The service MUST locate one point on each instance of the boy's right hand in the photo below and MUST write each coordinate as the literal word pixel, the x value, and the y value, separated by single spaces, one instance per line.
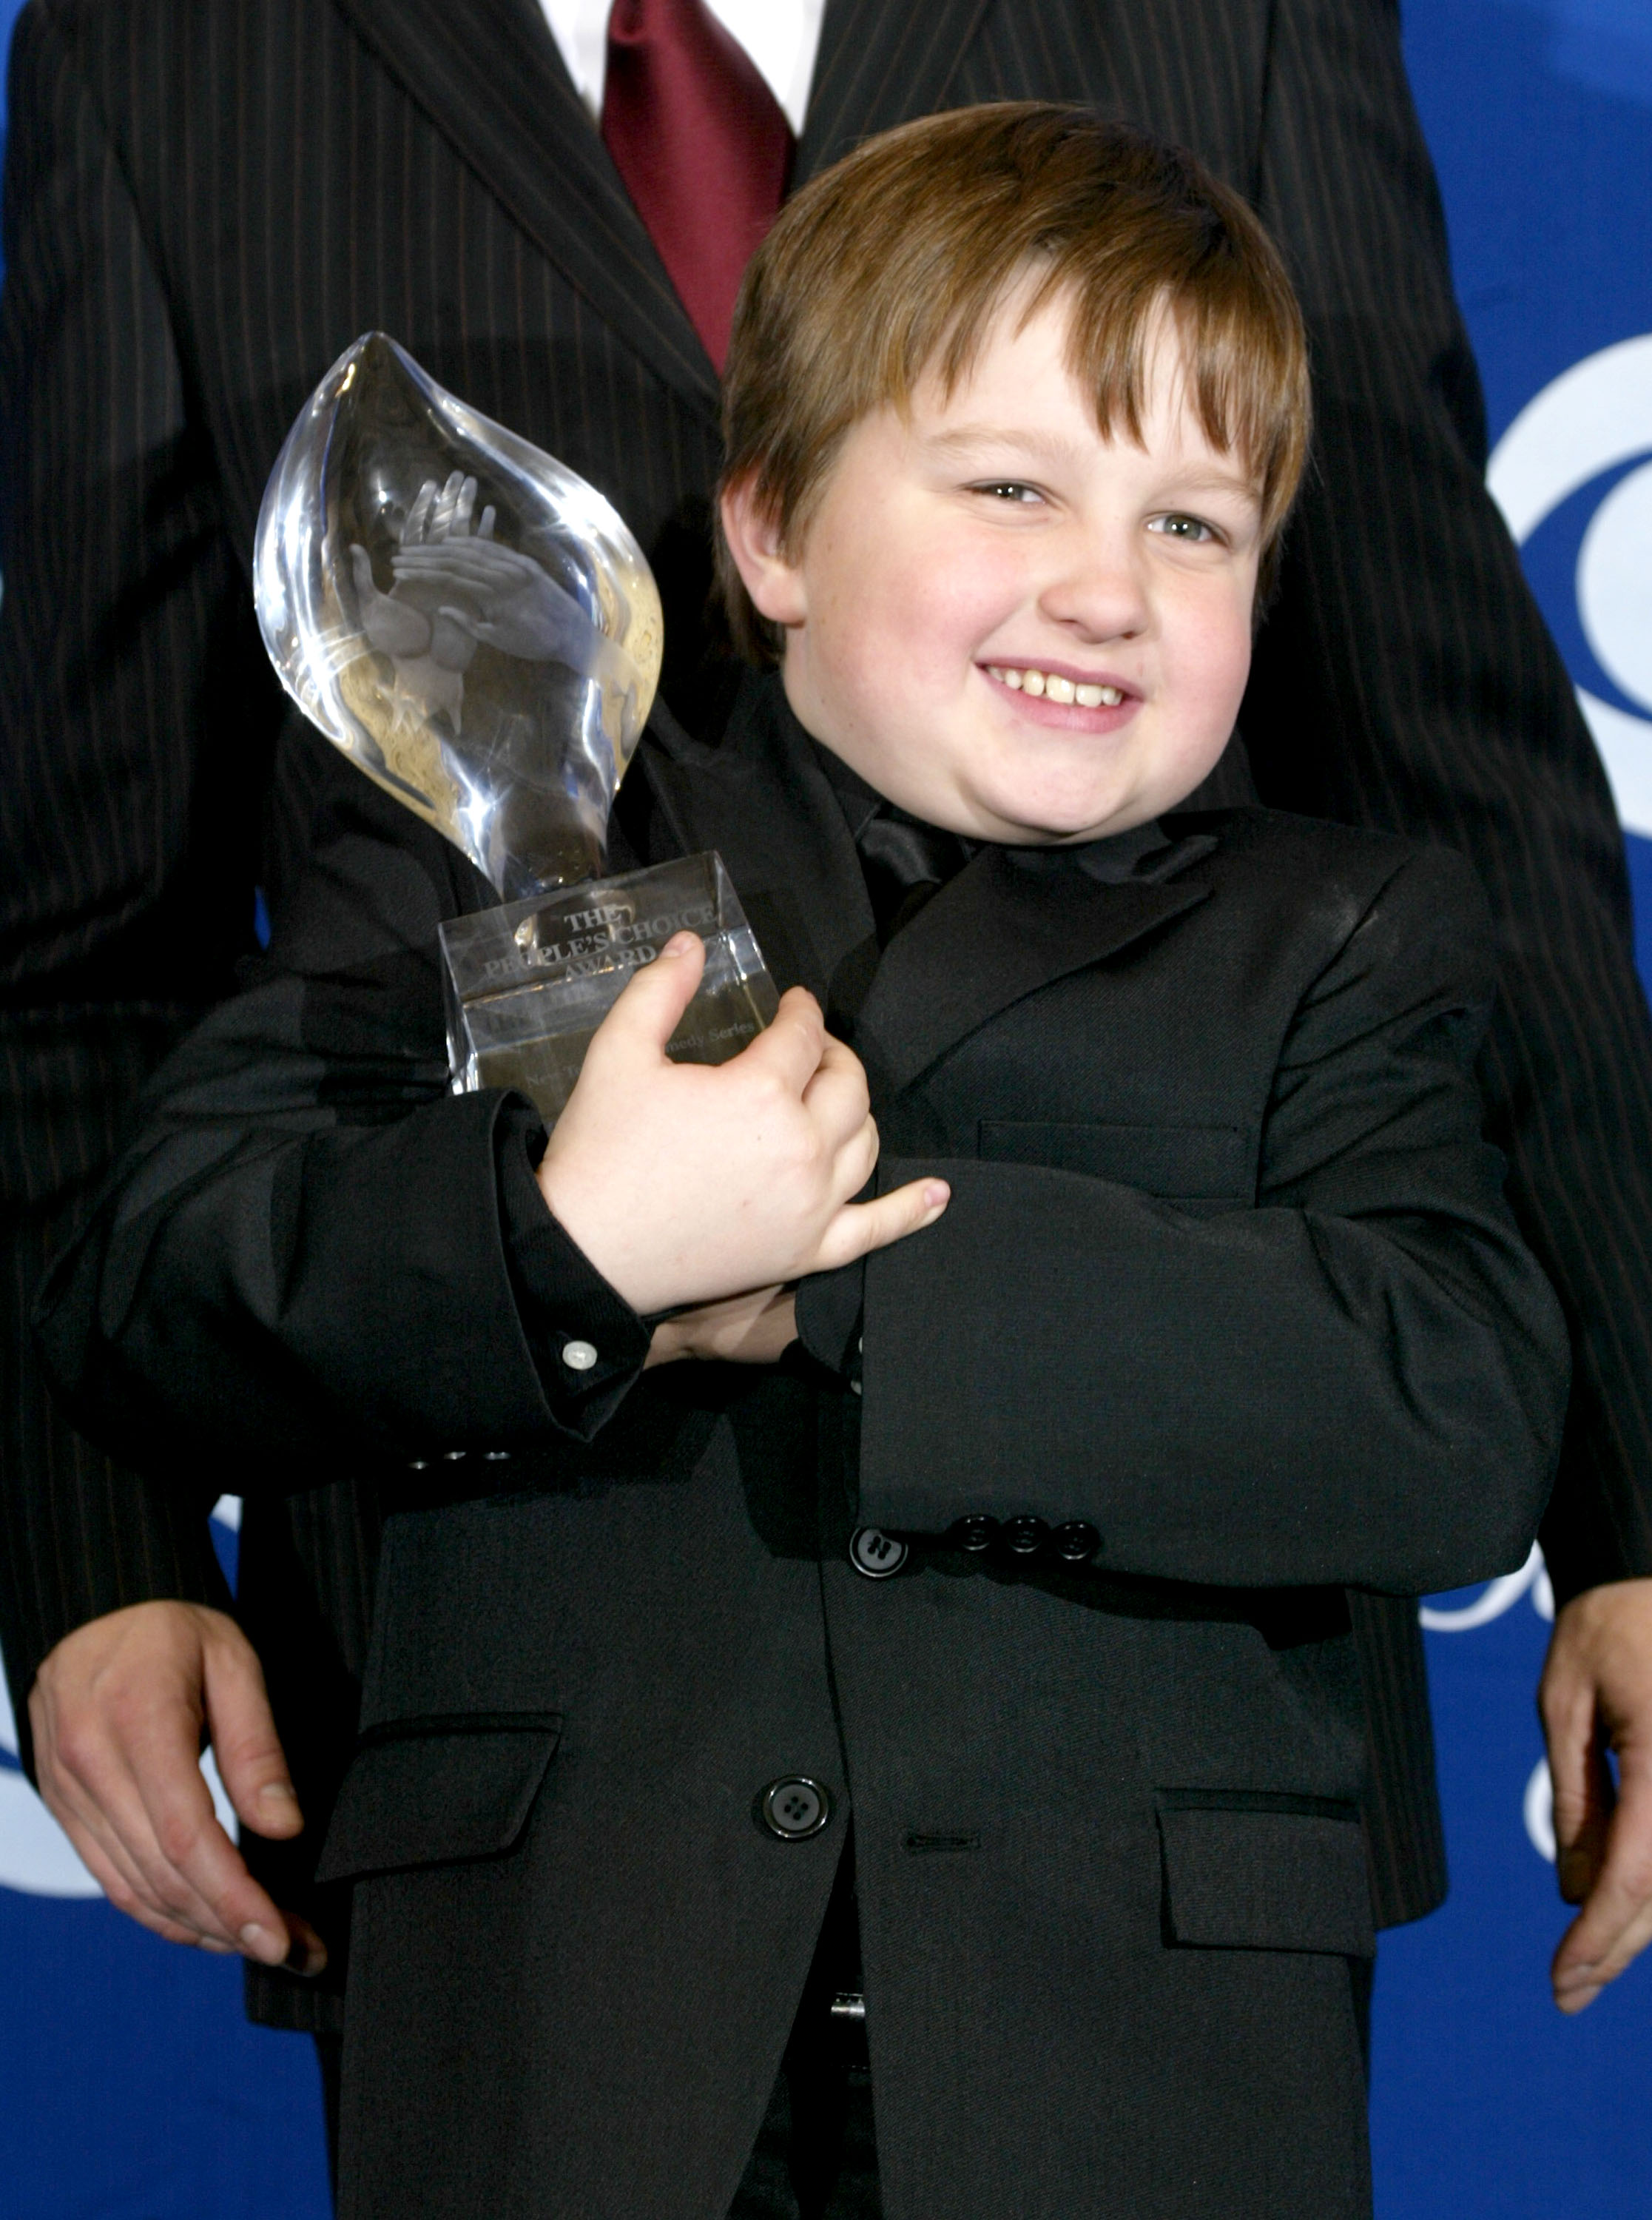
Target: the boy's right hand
pixel 686 1183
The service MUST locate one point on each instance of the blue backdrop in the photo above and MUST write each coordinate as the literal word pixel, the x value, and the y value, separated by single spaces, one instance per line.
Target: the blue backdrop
pixel 130 2086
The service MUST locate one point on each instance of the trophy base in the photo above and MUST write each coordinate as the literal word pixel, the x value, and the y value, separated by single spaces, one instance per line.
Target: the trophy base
pixel 527 985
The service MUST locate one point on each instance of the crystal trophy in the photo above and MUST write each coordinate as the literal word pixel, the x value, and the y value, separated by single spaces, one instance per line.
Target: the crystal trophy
pixel 473 625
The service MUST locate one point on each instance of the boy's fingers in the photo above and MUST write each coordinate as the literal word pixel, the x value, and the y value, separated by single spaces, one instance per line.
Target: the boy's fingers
pixel 793 1047
pixel 650 1010
pixel 860 1227
pixel 836 1096
pixel 855 1160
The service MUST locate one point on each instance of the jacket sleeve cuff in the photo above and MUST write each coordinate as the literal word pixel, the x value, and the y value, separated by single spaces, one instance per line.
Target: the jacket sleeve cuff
pixel 587 1343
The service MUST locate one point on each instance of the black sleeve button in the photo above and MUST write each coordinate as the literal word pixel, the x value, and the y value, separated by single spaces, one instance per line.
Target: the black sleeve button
pixel 975 1534
pixel 1077 1542
pixel 878 1555
pixel 793 1807
pixel 1025 1537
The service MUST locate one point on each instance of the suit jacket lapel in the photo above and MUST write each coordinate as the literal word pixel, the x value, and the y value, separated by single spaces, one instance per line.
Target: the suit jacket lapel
pixel 489 75
pixel 760 799
pixel 879 64
pixel 999 931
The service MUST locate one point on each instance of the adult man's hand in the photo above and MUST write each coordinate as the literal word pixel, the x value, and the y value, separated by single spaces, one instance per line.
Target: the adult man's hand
pixel 689 1183
pixel 117 1710
pixel 1596 1695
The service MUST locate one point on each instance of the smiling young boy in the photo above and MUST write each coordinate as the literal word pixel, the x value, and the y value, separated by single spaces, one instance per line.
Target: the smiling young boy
pixel 1003 1517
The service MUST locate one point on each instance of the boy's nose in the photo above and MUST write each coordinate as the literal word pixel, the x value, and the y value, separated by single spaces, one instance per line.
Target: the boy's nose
pixel 1097 592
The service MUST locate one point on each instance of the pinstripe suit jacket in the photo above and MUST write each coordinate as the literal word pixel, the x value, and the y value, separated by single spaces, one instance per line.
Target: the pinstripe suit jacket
pixel 206 200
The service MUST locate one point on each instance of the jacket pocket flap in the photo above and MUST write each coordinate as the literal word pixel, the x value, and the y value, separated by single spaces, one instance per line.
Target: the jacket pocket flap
pixel 1262 1880
pixel 422 1791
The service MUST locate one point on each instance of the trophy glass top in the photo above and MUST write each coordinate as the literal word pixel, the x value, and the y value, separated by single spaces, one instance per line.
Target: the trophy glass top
pixel 468 619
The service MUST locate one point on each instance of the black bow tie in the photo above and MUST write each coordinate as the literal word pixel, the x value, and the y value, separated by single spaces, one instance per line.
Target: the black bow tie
pixel 905 862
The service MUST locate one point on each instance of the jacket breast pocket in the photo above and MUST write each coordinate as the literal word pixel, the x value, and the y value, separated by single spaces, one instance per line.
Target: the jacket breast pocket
pixel 1259 1875
pixel 1195 1167
pixel 430 1790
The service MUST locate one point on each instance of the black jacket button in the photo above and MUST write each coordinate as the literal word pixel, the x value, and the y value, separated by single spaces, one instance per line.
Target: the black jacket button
pixel 877 1555
pixel 1077 1542
pixel 1024 1537
pixel 793 1807
pixel 976 1533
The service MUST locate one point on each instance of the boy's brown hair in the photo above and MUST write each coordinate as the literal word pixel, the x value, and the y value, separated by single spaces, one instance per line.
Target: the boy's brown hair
pixel 890 264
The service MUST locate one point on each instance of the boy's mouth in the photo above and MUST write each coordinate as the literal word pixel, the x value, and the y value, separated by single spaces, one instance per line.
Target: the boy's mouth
pixel 1054 686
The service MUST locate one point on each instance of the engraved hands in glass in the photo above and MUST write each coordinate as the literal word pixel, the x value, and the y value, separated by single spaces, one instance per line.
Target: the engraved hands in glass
pixel 456 589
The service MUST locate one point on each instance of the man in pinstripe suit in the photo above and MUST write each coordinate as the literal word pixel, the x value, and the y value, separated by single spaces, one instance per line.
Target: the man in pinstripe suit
pixel 207 199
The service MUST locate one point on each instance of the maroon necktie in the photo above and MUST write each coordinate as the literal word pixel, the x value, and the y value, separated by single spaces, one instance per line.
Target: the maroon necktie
pixel 703 146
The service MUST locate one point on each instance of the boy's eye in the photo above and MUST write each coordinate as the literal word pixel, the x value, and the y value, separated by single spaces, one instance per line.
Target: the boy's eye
pixel 1191 529
pixel 1007 489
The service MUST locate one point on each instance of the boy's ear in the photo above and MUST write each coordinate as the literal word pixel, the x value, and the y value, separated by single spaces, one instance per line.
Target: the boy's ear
pixel 773 581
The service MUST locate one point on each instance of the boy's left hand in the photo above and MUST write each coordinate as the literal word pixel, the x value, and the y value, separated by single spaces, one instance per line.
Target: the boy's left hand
pixel 754 1328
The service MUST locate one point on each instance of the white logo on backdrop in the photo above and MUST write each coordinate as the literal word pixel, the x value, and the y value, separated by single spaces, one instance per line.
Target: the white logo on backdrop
pixel 36 1856
pixel 1538 1805
pixel 1592 418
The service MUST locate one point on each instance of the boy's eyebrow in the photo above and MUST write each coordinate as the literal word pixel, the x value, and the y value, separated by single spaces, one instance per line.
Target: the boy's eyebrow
pixel 966 440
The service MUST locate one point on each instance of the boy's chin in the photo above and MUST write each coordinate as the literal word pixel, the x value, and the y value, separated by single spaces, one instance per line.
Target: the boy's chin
pixel 1038 821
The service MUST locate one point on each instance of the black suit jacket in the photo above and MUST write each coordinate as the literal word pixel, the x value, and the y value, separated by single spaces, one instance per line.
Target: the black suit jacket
pixel 207 199
pixel 1226 1272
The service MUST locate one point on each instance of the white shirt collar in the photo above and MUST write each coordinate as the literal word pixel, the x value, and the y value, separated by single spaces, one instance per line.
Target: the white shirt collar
pixel 781 36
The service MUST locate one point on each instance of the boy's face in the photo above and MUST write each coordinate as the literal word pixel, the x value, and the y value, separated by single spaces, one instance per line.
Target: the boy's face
pixel 1006 624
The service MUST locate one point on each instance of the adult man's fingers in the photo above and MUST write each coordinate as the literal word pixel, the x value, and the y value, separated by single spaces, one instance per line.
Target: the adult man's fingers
pixel 117 1710
pixel 149 1837
pixel 1579 1776
pixel 250 1762
pixel 198 1873
pixel 1597 1693
pixel 860 1227
pixel 1616 1922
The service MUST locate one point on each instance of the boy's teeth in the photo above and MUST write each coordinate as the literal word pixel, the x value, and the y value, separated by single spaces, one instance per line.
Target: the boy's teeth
pixel 1059 689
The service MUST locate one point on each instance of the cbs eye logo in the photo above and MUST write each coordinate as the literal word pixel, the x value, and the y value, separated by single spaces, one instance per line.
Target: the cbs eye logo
pixel 1573 476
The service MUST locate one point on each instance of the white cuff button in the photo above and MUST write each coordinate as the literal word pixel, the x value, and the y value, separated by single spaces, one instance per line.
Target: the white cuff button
pixel 578 1355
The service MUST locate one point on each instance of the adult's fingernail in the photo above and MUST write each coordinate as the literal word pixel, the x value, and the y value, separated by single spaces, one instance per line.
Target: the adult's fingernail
pixel 306 1957
pixel 679 944
pixel 278 1793
pixel 936 1194
pixel 262 1944
pixel 1571 2000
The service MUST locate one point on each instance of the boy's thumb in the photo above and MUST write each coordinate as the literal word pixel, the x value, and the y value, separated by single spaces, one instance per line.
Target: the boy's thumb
pixel 652 1004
